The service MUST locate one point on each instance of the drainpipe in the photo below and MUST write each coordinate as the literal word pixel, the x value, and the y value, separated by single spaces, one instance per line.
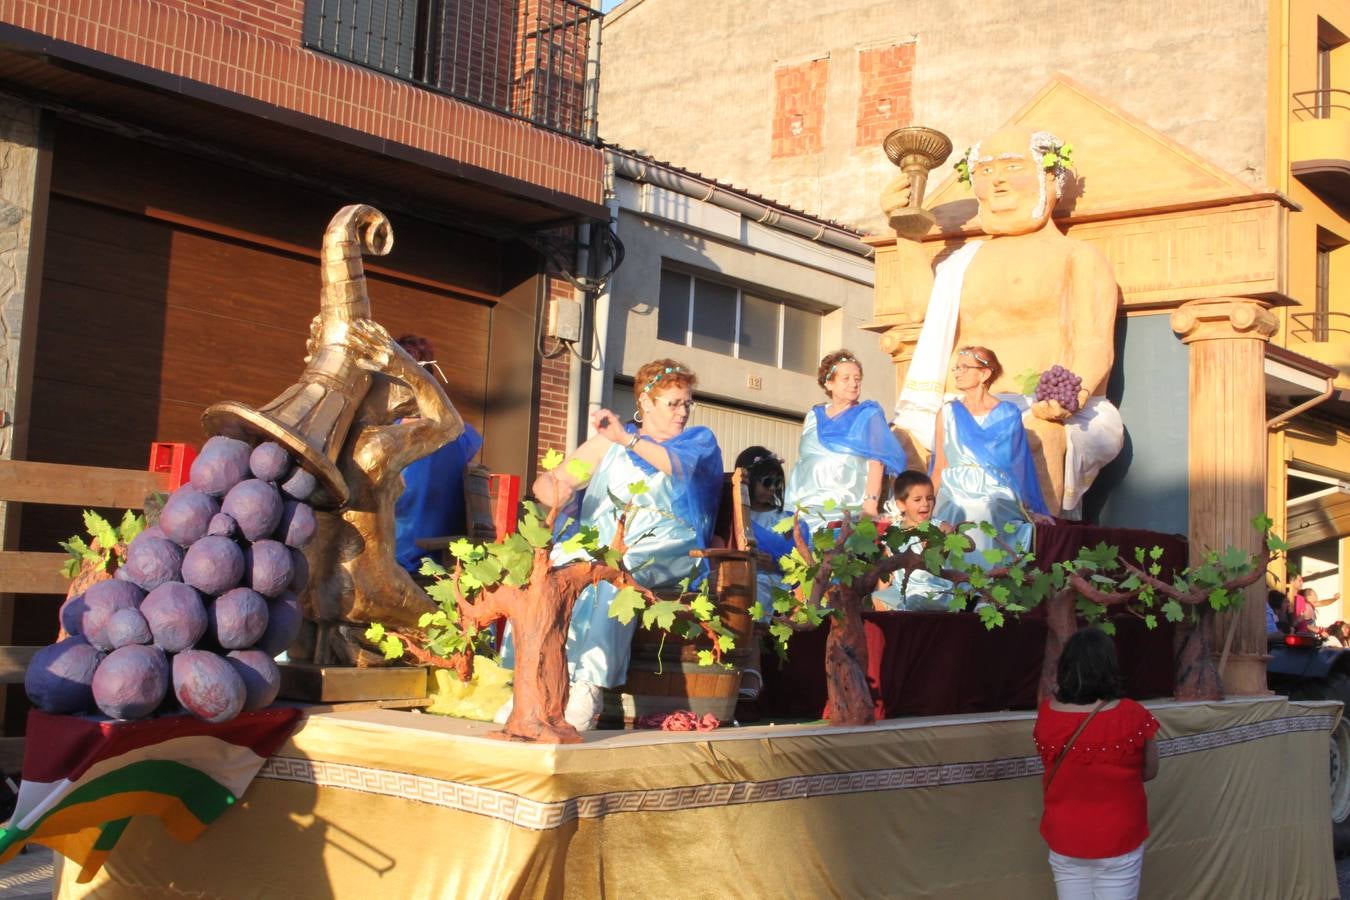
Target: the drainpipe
pixel 1303 407
pixel 600 369
pixel 574 373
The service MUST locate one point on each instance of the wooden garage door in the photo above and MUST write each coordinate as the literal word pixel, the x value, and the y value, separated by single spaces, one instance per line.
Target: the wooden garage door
pixel 144 322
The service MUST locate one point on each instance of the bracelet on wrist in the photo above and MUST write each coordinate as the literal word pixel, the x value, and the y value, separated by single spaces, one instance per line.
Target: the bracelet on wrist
pixel 632 442
pixel 871 496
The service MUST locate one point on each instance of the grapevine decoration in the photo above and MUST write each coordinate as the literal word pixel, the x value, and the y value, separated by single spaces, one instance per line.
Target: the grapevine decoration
pixel 106 549
pixel 200 603
pixel 516 578
pixel 830 574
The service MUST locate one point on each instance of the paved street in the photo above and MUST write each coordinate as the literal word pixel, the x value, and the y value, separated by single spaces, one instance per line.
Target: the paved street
pixel 27 876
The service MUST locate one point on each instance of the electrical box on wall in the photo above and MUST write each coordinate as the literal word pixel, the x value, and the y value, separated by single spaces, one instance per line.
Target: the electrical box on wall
pixel 564 320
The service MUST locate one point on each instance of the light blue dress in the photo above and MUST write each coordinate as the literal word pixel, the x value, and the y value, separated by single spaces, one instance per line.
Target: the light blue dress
pixel 924 591
pixel 598 646
pixel 822 474
pixel 777 545
pixel 990 476
pixel 673 516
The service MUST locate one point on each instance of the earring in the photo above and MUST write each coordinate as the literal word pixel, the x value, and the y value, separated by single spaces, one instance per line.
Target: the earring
pixel 637 416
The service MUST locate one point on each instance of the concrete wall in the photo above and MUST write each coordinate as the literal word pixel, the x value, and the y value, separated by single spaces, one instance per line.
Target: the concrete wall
pixel 699 83
pixel 657 226
pixel 1146 486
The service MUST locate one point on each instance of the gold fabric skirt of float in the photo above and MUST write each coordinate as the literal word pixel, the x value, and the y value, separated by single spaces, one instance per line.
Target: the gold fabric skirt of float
pixel 390 804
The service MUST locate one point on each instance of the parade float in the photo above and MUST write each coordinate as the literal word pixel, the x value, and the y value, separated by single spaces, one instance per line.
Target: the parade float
pixel 363 801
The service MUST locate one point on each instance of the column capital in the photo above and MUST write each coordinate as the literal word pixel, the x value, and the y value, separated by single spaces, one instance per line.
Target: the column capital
pixel 1224 319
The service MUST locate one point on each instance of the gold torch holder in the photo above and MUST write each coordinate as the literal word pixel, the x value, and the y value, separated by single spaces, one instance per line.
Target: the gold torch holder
pixel 917 151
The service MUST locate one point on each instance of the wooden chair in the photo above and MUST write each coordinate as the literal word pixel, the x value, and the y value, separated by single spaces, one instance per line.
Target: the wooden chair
pixel 490 510
pixel 26 572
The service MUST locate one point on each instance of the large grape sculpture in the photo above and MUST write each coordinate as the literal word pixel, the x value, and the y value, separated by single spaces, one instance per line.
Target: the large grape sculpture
pixel 1058 383
pixel 203 603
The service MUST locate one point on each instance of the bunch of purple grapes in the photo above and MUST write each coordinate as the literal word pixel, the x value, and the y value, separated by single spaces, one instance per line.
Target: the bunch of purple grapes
pixel 1058 383
pixel 204 601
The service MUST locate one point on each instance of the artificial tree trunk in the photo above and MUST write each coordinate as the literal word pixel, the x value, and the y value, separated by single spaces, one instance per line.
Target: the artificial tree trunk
pixel 1197 678
pixel 539 614
pixel 846 662
pixel 1061 621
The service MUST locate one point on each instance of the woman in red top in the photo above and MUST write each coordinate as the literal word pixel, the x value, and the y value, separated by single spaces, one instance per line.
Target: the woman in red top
pixel 1096 812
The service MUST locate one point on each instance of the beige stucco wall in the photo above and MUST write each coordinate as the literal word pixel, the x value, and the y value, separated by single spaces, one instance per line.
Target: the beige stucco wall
pixel 692 81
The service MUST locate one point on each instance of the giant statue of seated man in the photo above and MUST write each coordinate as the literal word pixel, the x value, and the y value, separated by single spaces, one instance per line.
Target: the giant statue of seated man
pixel 1035 296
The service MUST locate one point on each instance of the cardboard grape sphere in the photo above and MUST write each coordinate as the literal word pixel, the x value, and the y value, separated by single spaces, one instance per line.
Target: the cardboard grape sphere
pixel 256 506
pixel 213 565
pixel 152 561
pixel 187 515
pixel 208 686
pixel 60 677
pixel 176 616
pixel 221 465
pixel 131 682
pixel 100 602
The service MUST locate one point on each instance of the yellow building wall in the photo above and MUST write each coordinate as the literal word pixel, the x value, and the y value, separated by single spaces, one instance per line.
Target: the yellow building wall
pixel 1295 135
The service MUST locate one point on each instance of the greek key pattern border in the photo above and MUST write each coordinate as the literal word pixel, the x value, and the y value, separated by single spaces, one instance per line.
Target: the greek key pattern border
pixel 546 815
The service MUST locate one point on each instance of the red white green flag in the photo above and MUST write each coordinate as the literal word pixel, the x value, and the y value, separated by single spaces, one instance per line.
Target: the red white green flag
pixel 84 778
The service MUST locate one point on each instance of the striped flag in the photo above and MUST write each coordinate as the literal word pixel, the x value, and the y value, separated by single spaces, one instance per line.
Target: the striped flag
pixel 85 777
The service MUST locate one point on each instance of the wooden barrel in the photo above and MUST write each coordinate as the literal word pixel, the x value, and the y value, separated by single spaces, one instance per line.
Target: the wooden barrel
pixel 664 675
pixel 661 687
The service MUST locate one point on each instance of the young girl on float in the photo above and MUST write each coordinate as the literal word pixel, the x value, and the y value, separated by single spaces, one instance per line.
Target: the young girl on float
pixel 911 505
pixel 1098 749
pixel 846 449
pixel 764 473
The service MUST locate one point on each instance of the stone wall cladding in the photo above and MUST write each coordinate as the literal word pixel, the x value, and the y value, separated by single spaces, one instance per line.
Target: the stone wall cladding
pixel 252 48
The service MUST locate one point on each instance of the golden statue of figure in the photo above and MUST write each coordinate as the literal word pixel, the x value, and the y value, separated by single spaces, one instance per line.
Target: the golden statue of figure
pixel 1034 295
pixel 360 412
pixel 355 578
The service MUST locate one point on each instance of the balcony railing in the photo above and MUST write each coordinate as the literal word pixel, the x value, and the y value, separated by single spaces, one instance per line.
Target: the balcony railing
pixel 531 59
pixel 1314 327
pixel 1326 103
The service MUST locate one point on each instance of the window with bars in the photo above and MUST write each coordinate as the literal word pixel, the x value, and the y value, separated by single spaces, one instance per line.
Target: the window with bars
pixel 721 318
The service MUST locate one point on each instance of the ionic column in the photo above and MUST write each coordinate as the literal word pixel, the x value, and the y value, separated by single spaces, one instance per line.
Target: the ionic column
pixel 1227 439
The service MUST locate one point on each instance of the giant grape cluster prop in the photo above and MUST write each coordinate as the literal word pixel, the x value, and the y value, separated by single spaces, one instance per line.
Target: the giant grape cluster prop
pixel 1058 383
pixel 202 604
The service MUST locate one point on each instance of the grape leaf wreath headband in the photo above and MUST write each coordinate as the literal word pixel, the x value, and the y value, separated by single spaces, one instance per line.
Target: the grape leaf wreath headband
pixel 668 370
pixel 1048 152
pixel 839 362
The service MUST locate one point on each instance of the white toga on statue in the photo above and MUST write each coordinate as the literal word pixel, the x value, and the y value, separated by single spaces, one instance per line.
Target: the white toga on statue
pixel 1094 435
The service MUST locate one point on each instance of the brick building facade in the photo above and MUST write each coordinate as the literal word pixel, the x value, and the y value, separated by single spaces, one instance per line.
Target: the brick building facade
pixel 170 167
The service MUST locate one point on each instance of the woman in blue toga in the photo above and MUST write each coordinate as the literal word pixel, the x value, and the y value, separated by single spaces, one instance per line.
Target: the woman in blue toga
pixel 846 448
pixel 982 467
pixel 682 470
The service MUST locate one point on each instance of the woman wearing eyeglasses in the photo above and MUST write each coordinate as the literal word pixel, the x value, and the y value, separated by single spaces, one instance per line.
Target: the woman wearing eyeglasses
pixel 681 468
pixel 982 467
pixel 846 448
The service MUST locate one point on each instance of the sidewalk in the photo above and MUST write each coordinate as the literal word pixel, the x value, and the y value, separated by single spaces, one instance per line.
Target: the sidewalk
pixel 27 876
